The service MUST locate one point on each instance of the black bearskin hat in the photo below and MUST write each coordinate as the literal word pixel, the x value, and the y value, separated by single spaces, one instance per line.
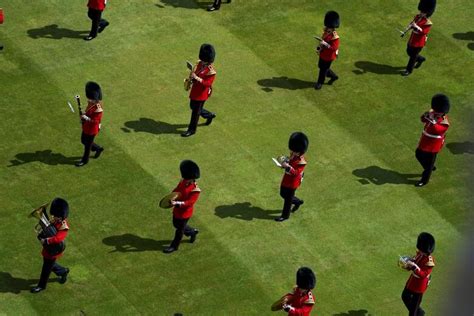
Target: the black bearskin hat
pixel 427 7
pixel 425 243
pixel 207 53
pixel 93 91
pixel 305 278
pixel 189 170
pixel 59 208
pixel 440 103
pixel 331 19
pixel 298 142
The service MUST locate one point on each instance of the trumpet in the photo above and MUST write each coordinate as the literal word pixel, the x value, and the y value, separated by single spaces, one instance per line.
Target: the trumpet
pixel 44 229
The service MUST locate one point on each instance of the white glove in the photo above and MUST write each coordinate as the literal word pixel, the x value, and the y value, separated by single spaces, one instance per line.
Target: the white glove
pixel 325 44
pixel 288 308
pixel 178 203
pixel 85 118
pixel 417 28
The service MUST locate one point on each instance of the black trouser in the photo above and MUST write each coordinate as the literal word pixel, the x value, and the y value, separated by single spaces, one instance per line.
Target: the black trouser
pixel 412 301
pixel 325 71
pixel 289 198
pixel 88 142
pixel 182 228
pixel 48 266
pixel 414 53
pixel 427 161
pixel 97 21
pixel 217 3
pixel 198 109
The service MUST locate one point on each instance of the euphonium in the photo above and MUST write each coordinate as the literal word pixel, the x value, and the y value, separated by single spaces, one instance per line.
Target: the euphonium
pixel 44 229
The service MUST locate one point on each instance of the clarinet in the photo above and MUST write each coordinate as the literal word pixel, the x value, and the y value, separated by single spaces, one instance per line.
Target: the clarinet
pixel 78 100
pixel 415 21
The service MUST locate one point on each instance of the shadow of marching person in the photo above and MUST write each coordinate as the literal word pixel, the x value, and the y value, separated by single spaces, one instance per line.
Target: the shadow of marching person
pixel 151 126
pixel 54 32
pixel 43 156
pixel 284 83
pixel 380 176
pixel 245 211
pixel 134 243
pixel 360 312
pixel 10 284
pixel 468 36
pixel 461 148
pixel 379 69
pixel 186 4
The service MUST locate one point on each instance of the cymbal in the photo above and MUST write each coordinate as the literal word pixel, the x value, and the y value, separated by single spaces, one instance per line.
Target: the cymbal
pixel 165 202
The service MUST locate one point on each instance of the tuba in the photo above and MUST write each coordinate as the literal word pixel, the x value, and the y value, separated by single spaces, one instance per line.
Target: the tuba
pixel 44 229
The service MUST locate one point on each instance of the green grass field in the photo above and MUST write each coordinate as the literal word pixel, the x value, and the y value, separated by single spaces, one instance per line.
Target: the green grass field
pixel 360 210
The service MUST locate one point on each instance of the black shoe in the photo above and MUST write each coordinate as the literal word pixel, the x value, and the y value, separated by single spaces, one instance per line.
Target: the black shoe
pixel 169 249
pixel 212 8
pixel 63 277
pixel 81 163
pixel 193 236
pixel 434 168
pixel 318 86
pixel 98 152
pixel 229 1
pixel 102 27
pixel 331 81
pixel 281 219
pixel 406 73
pixel 36 289
pixel 297 206
pixel 418 63
pixel 209 119
pixel 89 38
pixel 187 134
pixel 420 184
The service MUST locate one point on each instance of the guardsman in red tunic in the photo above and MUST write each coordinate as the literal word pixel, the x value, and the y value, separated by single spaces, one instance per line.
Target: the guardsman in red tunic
pixel 96 7
pixel 184 204
pixel 91 122
pixel 294 167
pixel 432 138
pixel 53 247
pixel 421 26
pixel 300 301
pixel 328 49
pixel 1 22
pixel 420 266
pixel 202 78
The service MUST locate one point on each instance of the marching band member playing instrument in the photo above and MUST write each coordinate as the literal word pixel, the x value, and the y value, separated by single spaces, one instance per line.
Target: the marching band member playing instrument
pixel 59 211
pixel 328 49
pixel 188 191
pixel 300 301
pixel 202 78
pixel 96 8
pixel 420 26
pixel 421 266
pixel 434 133
pixel 294 167
pixel 91 122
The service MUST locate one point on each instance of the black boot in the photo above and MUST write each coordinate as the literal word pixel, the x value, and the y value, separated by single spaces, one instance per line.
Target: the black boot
pixel 81 163
pixel 170 249
pixel 297 206
pixel 36 289
pixel 63 277
pixel 187 134
pixel 193 236
pixel 98 152
pixel 209 119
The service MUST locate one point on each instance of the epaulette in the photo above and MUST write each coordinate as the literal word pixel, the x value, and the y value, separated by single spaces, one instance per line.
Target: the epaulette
pixel 335 35
pixel 310 300
pixel 428 22
pixel 430 262
pixel 196 189
pixel 302 161
pixel 445 120
pixel 99 108
pixel 64 226
pixel 212 71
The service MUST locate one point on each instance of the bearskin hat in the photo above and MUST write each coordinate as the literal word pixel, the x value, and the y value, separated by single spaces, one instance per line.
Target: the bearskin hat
pixel 305 278
pixel 298 142
pixel 207 53
pixel 59 208
pixel 189 170
pixel 440 103
pixel 425 243
pixel 427 7
pixel 93 91
pixel 331 19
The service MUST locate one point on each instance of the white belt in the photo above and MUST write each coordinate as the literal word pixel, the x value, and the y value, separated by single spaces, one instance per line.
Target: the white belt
pixel 431 135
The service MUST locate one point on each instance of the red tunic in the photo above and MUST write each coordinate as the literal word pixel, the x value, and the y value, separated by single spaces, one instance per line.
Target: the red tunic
pixel 63 229
pixel 434 134
pixel 94 112
pixel 1 16
pixel 421 274
pixel 418 39
pixel 330 53
pixel 97 4
pixel 201 91
pixel 189 194
pixel 293 177
pixel 302 303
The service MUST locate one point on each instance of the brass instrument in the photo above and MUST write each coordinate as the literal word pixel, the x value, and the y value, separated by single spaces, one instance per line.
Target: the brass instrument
pixel 188 82
pixel 403 262
pixel 278 305
pixel 45 229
